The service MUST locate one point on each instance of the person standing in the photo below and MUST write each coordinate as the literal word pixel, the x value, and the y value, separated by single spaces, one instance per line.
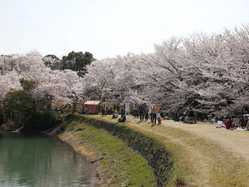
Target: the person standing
pixel 158 117
pixel 140 112
pixel 153 115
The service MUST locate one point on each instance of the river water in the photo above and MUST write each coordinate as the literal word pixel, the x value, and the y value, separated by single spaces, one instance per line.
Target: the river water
pixel 40 161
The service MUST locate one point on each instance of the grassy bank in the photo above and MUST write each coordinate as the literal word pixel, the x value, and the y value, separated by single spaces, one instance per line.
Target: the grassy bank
pixel 202 155
pixel 150 148
pixel 117 164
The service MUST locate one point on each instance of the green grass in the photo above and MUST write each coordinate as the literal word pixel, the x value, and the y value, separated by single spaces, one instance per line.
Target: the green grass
pixel 192 166
pixel 121 165
pixel 197 161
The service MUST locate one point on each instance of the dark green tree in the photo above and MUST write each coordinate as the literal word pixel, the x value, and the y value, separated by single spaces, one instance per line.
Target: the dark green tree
pixel 77 61
pixel 52 62
pixel 19 106
pixel 25 110
pixel 1 113
pixel 27 85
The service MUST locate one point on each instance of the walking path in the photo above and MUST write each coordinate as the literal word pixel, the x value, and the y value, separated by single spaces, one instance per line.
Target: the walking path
pixel 203 155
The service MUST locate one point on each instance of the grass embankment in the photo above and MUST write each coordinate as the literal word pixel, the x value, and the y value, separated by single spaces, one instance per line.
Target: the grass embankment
pixel 200 157
pixel 117 164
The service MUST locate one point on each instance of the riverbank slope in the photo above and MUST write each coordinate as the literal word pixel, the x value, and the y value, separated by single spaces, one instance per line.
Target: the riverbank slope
pixel 202 154
pixel 116 163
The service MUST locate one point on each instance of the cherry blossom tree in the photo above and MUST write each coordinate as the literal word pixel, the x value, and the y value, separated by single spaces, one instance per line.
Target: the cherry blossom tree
pixel 59 84
pixel 206 74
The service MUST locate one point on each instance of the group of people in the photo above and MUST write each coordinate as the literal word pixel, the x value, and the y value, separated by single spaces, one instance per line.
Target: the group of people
pixel 143 112
pixel 152 112
pixel 234 123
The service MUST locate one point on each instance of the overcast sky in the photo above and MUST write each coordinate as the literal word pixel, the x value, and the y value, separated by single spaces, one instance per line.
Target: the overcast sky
pixel 108 28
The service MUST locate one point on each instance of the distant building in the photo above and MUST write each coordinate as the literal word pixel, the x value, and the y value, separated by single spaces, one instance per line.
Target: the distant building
pixel 91 107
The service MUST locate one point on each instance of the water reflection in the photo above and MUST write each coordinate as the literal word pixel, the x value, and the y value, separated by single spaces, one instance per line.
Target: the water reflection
pixel 39 161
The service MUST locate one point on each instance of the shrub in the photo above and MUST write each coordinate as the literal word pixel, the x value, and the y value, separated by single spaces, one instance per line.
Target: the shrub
pixel 41 121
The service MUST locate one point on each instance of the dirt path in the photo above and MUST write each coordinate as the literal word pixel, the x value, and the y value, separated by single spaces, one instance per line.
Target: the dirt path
pixel 234 141
pixel 203 155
